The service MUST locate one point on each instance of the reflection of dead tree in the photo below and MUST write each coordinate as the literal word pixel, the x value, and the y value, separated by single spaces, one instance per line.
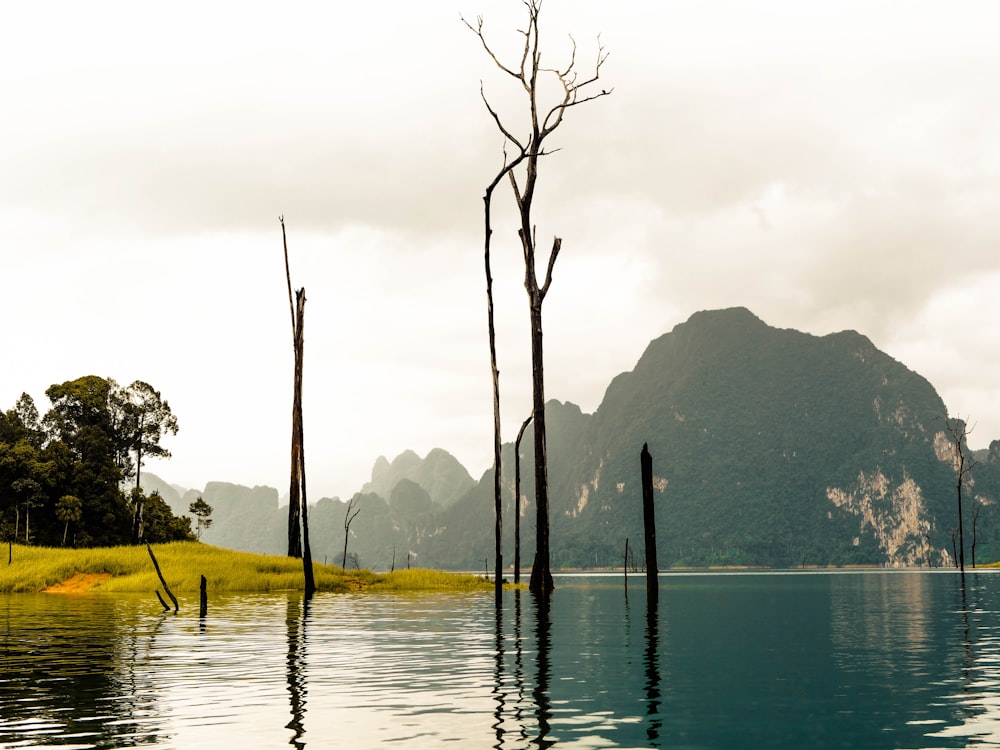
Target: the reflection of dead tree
pixel 353 508
pixel 525 152
pixel 295 669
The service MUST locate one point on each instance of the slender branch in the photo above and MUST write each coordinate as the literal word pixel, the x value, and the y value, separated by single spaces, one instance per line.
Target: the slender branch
pixel 288 275
pixel 478 31
pixel 556 246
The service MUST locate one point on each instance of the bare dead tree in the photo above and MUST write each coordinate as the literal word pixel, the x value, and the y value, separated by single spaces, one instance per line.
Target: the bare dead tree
pixel 520 168
pixel 297 499
pixel 353 508
pixel 963 463
pixel 517 500
pixel 294 502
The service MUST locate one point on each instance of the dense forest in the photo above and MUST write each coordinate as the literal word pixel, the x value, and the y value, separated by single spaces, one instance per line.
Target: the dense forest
pixel 71 476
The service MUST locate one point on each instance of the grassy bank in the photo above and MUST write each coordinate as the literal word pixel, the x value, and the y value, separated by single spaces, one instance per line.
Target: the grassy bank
pixel 129 569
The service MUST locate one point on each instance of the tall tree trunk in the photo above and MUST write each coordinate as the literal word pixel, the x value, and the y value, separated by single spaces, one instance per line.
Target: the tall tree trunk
pixel 300 315
pixel 294 503
pixel 541 573
pixel 649 522
pixel 961 532
pixel 497 445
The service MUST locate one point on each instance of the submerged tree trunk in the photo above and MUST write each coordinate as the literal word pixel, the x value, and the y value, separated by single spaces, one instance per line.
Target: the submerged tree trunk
pixel 298 511
pixel 541 573
pixel 497 445
pixel 649 522
pixel 163 580
pixel 517 500
pixel 300 314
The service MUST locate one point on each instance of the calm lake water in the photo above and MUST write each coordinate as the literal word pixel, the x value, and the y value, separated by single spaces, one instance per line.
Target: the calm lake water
pixel 742 660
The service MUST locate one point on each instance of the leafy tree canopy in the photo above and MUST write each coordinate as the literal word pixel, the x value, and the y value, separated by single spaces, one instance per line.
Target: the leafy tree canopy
pixel 65 471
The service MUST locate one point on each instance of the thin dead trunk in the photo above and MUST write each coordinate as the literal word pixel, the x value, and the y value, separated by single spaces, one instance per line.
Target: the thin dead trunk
pixel 162 580
pixel 349 516
pixel 497 445
pixel 300 316
pixel 294 484
pixel 517 500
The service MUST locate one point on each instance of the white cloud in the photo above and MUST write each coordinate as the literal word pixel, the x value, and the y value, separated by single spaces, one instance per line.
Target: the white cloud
pixel 828 165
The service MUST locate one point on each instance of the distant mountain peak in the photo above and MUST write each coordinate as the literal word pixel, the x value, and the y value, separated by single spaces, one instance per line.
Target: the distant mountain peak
pixel 440 474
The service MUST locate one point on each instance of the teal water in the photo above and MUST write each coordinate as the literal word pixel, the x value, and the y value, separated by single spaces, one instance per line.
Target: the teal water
pixel 902 659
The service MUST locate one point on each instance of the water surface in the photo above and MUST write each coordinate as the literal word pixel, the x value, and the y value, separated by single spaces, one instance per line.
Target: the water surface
pixel 868 659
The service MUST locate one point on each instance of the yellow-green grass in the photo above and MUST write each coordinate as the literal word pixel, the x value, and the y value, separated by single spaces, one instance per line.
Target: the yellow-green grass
pixel 183 563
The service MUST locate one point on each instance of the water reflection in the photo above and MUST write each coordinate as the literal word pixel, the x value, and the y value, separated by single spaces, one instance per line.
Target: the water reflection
pixel 651 661
pixel 295 621
pixel 867 660
pixel 543 647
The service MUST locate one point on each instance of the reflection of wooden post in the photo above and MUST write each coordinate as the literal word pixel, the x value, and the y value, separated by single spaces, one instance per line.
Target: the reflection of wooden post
pixel 648 520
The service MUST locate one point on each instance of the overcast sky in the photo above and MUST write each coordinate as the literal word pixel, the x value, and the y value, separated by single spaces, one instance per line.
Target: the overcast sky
pixel 829 165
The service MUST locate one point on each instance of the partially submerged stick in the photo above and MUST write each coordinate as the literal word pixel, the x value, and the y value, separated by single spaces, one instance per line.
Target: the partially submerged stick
pixel 162 580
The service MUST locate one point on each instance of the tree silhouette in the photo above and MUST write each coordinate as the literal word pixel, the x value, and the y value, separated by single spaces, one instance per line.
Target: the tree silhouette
pixel 203 511
pixel 520 168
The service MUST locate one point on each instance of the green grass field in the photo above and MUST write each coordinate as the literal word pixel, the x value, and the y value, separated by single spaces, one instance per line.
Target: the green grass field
pixel 34 569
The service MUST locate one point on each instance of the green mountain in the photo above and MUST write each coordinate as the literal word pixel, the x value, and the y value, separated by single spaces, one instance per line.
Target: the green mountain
pixel 770 447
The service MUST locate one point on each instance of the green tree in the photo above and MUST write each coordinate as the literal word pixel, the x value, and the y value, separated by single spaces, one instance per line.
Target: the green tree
pixel 141 417
pixel 203 511
pixel 29 495
pixel 81 420
pixel 161 525
pixel 69 509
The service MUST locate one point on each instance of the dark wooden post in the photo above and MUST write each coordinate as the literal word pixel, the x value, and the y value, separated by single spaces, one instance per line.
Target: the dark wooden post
pixel 649 521
pixel 203 590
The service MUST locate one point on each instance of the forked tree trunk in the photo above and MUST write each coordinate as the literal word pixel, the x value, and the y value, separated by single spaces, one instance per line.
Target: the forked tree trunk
pixel 526 153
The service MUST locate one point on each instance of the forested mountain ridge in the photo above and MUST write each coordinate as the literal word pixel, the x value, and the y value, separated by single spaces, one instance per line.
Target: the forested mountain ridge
pixel 771 447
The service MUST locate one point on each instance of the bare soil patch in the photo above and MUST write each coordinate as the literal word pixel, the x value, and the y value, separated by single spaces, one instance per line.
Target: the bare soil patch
pixel 79 583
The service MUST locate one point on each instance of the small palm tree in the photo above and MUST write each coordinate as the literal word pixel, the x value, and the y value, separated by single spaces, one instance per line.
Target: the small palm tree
pixel 69 509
